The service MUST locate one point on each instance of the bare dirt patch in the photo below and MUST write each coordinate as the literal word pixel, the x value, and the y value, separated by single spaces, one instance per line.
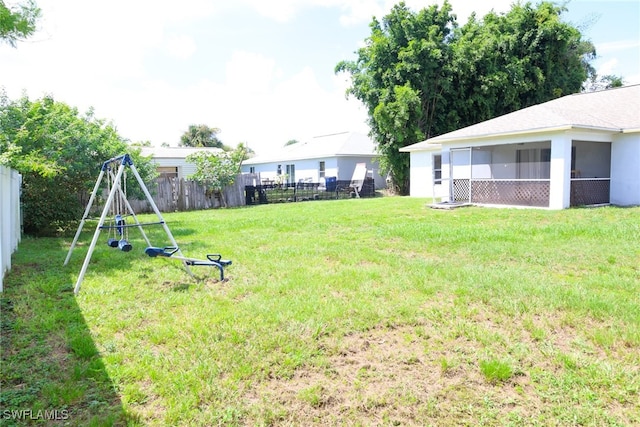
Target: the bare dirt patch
pixel 428 373
pixel 389 376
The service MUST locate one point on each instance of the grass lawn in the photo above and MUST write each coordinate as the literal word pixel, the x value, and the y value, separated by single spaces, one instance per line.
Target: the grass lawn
pixel 357 312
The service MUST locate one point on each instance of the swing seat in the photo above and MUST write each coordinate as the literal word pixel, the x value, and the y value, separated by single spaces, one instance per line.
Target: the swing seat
pixel 166 251
pixel 112 243
pixel 218 258
pixel 124 245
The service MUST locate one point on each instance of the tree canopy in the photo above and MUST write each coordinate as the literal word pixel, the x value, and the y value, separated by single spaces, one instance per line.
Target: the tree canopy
pixel 59 153
pixel 217 170
pixel 19 22
pixel 421 75
pixel 201 136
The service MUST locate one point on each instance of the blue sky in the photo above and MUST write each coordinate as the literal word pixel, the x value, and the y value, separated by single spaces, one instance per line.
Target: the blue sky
pixel 260 71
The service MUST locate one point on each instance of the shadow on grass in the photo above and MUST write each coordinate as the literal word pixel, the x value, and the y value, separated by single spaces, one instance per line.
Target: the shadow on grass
pixel 51 370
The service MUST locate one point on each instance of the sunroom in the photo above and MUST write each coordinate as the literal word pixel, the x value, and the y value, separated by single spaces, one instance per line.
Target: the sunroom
pixel 578 150
pixel 520 174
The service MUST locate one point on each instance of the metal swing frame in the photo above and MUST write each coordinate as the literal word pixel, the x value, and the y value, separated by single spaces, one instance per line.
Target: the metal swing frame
pixel 122 161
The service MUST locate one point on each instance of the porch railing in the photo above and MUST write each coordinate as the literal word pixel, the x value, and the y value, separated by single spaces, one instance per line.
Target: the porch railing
pixel 590 191
pixel 517 192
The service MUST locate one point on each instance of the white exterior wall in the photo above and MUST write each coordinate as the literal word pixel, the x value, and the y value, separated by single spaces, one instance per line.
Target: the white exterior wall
pixel 304 168
pixel 445 188
pixel 421 174
pixel 560 174
pixel 625 170
pixel 340 167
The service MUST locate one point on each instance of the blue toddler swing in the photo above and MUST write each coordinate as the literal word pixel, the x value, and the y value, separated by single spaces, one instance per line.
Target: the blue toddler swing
pixel 119 224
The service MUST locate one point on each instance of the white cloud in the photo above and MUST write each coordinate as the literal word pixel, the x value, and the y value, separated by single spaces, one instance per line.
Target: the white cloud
pixel 250 73
pixel 272 110
pixel 278 10
pixel 181 46
pixel 632 79
pixel 254 104
pixel 608 67
pixel 617 46
pixel 357 12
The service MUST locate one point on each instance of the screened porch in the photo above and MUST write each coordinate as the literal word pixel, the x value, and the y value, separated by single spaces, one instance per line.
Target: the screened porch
pixel 520 174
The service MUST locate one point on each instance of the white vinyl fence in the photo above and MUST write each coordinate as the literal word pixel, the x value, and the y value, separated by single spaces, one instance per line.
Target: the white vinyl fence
pixel 10 218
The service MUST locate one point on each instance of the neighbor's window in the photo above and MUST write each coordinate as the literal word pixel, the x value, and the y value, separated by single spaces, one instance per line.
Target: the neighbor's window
pixel 168 172
pixel 437 169
pixel 321 168
pixel 279 172
pixel 252 169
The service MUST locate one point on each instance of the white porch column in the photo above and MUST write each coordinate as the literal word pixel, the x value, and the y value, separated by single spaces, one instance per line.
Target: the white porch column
pixel 447 182
pixel 560 175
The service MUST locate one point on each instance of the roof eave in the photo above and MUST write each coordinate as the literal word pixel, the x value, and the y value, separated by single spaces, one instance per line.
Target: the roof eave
pixel 427 147
pixel 553 129
pixel 631 130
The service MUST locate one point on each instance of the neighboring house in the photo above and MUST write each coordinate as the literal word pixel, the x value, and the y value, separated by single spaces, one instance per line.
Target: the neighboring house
pixel 171 160
pixel 321 157
pixel 581 149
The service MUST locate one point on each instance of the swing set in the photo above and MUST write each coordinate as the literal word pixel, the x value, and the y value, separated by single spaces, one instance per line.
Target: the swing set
pixel 118 229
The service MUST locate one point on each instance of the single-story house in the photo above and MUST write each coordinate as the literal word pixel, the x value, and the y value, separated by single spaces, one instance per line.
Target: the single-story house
pixel 581 149
pixel 335 155
pixel 171 161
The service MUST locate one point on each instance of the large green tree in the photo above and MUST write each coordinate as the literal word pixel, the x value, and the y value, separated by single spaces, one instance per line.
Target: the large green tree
pixel 421 75
pixel 506 62
pixel 19 22
pixel 59 153
pixel 201 136
pixel 401 77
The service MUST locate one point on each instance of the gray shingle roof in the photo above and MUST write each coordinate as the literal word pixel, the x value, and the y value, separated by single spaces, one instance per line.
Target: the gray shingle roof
pixel 611 110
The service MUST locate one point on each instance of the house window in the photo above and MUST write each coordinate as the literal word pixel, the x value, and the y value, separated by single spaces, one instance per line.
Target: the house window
pixel 279 171
pixel 168 172
pixel 291 173
pixel 321 169
pixel 437 169
pixel 252 169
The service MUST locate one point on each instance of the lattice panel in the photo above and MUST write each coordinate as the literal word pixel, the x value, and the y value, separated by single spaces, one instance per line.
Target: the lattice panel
pixel 589 192
pixel 461 190
pixel 516 192
pixel 513 192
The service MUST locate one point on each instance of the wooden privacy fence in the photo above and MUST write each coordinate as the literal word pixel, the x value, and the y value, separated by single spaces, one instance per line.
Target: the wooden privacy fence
pixel 10 217
pixel 172 194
